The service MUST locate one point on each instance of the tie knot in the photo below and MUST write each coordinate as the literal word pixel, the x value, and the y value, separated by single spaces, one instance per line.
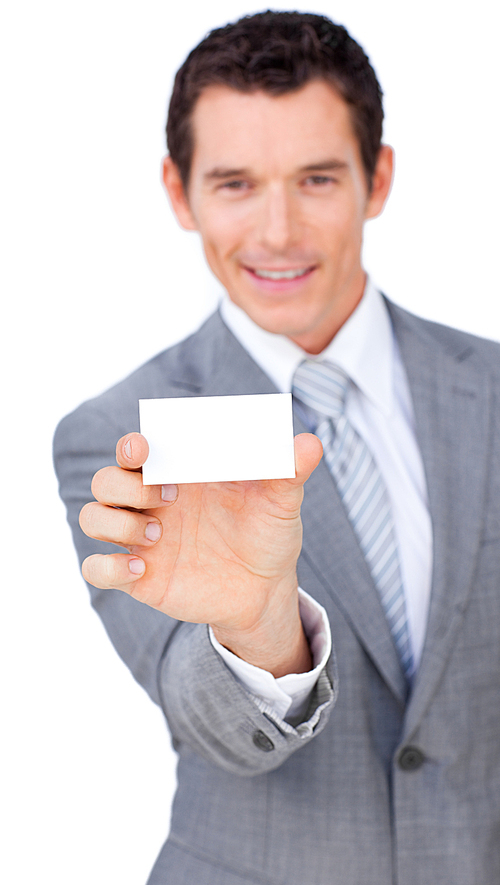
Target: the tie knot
pixel 321 387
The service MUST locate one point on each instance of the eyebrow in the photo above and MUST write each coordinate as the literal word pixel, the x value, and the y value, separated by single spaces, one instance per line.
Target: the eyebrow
pixel 324 165
pixel 219 173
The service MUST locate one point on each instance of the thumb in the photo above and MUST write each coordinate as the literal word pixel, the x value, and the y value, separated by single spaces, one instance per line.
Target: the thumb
pixel 308 453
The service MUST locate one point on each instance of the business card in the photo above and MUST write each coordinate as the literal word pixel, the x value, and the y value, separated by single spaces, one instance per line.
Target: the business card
pixel 218 438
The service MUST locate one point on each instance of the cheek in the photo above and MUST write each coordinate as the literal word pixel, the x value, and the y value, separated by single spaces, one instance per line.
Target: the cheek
pixel 347 215
pixel 219 245
pixel 220 236
pixel 226 226
pixel 346 229
pixel 336 222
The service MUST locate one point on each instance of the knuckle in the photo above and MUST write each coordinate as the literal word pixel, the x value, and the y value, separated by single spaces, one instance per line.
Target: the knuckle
pixel 102 571
pixel 128 526
pixel 142 497
pixel 118 487
pixel 147 496
pixel 114 524
pixel 109 571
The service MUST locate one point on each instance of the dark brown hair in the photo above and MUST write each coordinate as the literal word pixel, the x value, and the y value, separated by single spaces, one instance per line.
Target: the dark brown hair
pixel 277 52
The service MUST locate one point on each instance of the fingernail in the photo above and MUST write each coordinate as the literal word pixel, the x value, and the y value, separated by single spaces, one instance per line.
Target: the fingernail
pixel 153 531
pixel 169 493
pixel 127 448
pixel 136 566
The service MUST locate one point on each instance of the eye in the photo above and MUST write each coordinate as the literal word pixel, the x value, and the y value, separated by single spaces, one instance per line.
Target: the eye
pixel 235 188
pixel 318 180
pixel 236 185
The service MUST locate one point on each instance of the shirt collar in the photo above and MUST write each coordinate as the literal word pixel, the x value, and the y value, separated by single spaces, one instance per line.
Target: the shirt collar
pixel 363 347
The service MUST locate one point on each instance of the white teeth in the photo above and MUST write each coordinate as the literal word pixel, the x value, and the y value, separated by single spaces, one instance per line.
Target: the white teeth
pixel 281 274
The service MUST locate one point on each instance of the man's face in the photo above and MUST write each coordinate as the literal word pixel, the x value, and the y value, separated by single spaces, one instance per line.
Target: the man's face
pixel 279 195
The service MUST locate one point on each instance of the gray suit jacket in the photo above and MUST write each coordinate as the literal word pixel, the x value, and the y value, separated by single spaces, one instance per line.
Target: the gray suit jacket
pixel 371 789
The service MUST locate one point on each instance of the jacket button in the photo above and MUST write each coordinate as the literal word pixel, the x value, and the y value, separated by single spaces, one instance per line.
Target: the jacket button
pixel 410 758
pixel 262 741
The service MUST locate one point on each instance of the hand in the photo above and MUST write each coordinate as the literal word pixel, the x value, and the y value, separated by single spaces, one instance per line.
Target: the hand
pixel 220 553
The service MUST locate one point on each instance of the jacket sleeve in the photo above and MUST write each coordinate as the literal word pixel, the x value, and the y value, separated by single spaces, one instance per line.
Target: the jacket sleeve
pixel 175 662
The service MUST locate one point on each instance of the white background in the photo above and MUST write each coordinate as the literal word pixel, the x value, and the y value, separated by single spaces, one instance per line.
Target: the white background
pixel 89 252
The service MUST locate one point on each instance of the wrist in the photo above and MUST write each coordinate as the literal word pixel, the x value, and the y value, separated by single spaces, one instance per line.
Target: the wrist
pixel 276 643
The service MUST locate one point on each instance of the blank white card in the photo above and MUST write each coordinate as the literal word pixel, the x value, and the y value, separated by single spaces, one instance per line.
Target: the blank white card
pixel 218 438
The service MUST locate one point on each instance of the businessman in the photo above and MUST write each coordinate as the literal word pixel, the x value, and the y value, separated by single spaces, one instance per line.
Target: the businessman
pixel 326 649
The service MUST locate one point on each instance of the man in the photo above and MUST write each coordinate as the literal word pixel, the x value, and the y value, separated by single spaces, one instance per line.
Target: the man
pixel 376 758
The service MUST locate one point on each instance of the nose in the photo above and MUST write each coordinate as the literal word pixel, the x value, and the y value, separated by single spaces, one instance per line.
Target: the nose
pixel 278 222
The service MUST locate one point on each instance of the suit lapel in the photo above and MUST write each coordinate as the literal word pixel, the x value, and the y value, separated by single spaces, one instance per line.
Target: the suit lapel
pixel 452 403
pixel 214 363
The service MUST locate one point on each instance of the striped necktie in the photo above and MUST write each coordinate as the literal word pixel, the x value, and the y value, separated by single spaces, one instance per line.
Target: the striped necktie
pixel 322 388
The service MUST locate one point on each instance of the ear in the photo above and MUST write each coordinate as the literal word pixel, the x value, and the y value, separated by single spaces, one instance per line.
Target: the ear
pixel 382 181
pixel 175 190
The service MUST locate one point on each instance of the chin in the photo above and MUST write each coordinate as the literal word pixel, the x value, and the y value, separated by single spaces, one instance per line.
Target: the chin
pixel 274 321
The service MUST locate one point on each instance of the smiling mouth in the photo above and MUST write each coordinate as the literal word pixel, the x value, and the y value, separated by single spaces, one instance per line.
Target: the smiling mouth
pixel 292 274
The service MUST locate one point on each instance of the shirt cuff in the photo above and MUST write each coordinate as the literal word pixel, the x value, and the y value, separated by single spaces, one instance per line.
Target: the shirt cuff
pixel 289 695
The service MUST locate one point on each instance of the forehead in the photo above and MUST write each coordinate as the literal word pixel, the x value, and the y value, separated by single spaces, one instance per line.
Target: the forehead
pixel 233 128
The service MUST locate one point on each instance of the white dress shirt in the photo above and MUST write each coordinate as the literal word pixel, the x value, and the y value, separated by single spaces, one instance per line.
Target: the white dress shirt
pixel 379 407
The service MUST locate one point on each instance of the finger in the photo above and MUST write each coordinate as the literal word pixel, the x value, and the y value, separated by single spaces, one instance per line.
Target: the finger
pixel 132 451
pixel 124 488
pixel 308 453
pixel 126 528
pixel 117 571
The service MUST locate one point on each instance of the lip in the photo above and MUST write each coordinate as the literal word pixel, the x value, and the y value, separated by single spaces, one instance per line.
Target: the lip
pixel 283 285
